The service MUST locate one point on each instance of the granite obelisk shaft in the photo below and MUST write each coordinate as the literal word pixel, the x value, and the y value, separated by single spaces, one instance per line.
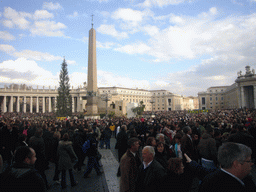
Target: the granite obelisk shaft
pixel 92 89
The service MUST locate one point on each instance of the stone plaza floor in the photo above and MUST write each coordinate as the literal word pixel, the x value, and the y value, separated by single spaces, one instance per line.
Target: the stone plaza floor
pixel 107 182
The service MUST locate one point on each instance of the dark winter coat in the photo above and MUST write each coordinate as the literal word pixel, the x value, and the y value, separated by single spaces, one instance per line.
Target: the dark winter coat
pixel 21 178
pixel 207 147
pixel 66 155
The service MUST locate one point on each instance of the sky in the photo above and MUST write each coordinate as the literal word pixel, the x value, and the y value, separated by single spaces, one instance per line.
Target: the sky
pixel 183 46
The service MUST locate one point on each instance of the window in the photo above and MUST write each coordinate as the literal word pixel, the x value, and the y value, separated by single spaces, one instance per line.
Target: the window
pixel 203 100
pixel 222 98
pixel 120 108
pixel 210 98
pixel 169 101
pixel 216 98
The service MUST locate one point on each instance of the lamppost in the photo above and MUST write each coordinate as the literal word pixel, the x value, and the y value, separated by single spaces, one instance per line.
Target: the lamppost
pixel 152 102
pixel 106 97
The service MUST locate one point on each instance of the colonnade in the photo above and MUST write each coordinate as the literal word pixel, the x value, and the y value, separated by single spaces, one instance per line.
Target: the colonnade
pixel 36 104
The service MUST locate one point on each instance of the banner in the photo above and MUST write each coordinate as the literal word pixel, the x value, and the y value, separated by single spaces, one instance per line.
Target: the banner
pixel 61 118
pixel 199 111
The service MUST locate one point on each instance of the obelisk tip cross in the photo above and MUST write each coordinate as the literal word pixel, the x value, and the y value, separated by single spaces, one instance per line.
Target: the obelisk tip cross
pixel 92 21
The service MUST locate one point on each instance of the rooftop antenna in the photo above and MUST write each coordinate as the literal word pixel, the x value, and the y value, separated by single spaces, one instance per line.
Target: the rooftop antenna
pixel 92 21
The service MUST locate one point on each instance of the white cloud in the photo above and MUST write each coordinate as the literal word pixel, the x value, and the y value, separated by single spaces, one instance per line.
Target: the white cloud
pixel 74 15
pixel 42 14
pixel 107 79
pixel 130 19
pixel 106 45
pixel 28 54
pixel 70 62
pixel 5 35
pixel 137 48
pixel 41 24
pixel 51 6
pixel 151 30
pixel 36 55
pixel 77 79
pixel 48 28
pixel 160 3
pixel 110 30
pixel 25 71
pixel 191 37
pixel 14 18
pixel 7 48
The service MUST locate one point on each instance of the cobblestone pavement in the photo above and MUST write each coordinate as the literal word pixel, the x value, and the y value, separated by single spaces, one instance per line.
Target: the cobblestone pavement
pixel 107 182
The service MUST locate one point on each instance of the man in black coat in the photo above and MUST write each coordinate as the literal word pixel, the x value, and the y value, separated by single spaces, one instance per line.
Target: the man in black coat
pixel 236 164
pixel 244 138
pixel 151 172
pixel 8 142
pixel 22 176
pixel 121 144
pixel 37 143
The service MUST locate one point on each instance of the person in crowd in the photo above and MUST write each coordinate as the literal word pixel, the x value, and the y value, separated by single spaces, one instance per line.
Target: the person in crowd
pixel 121 145
pixel 22 176
pixel 207 148
pixel 244 138
pixel 1 164
pixel 67 157
pixel 22 140
pixel 175 179
pixel 218 138
pixel 37 143
pixel 8 140
pixel 187 145
pixel 55 157
pixel 161 155
pixel 96 132
pixel 236 164
pixel 107 136
pixel 129 166
pixel 92 153
pixel 78 142
pixel 151 172
pixel 112 128
pixel 101 138
pixel 151 141
pixel 177 145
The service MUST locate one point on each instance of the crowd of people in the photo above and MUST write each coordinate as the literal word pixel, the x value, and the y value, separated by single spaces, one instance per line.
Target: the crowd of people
pixel 155 153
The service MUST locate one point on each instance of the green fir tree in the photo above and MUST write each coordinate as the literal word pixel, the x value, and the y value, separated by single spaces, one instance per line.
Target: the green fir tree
pixel 64 100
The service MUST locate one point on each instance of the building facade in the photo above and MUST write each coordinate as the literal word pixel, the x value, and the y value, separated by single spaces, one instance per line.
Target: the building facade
pixel 119 100
pixel 240 94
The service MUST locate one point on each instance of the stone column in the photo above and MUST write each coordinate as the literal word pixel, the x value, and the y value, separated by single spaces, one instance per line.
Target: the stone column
pixel 18 103
pixel 31 104
pixel 55 104
pixel 50 104
pixel 73 104
pixel 25 104
pixel 4 103
pixel 37 104
pixel 242 97
pixel 11 104
pixel 43 104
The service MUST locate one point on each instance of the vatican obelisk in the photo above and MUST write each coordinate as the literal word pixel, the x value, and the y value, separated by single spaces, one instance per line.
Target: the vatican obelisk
pixel 92 88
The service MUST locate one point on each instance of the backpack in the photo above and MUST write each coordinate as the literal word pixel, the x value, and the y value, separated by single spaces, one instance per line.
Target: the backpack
pixel 86 146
